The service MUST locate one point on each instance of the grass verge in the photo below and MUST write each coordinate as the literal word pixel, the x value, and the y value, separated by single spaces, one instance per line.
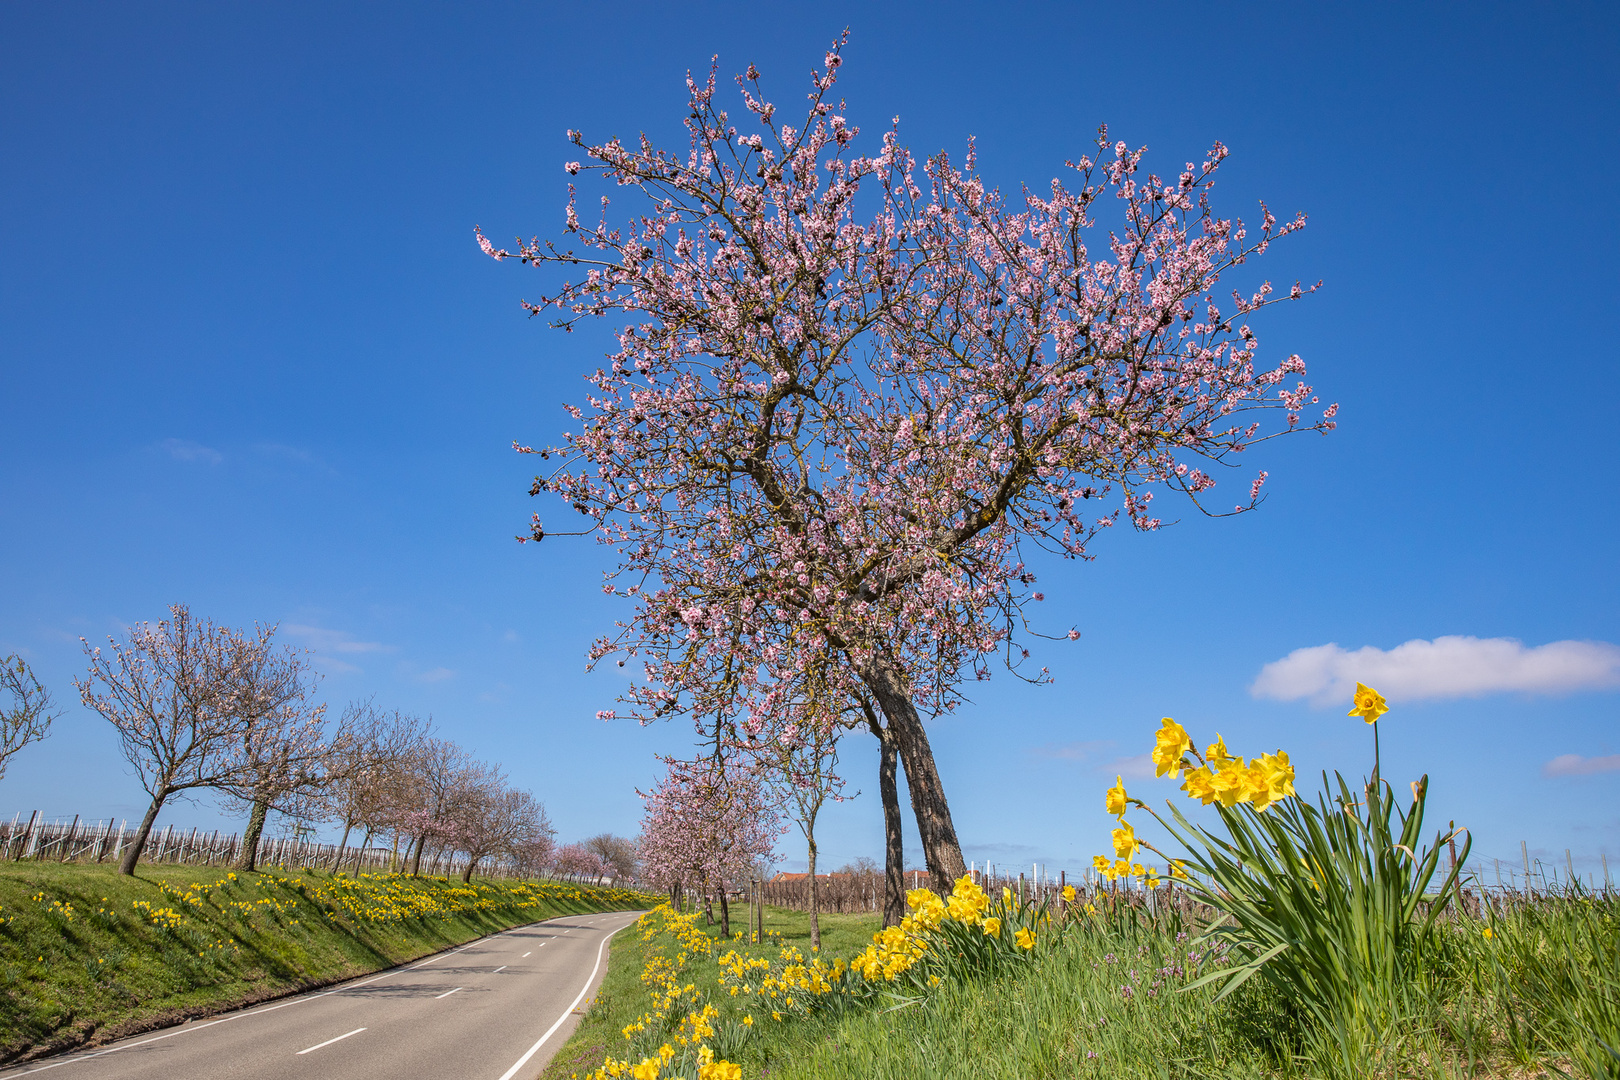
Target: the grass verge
pixel 622 998
pixel 1525 990
pixel 88 956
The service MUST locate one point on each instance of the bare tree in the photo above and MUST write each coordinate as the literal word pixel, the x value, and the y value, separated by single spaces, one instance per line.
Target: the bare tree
pixel 168 692
pixel 28 718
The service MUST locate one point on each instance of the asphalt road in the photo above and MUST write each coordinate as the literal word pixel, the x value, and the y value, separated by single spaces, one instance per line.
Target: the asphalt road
pixel 494 1009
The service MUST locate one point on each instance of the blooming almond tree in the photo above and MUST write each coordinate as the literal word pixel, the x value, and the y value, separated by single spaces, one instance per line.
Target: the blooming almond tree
pixel 706 824
pixel 282 750
pixel 28 718
pixel 849 391
pixel 170 691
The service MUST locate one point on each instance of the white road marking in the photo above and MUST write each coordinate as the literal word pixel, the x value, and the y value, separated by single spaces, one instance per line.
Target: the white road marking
pixel 524 1060
pixel 329 1042
pixel 526 955
pixel 446 994
pixel 498 970
pixel 189 1028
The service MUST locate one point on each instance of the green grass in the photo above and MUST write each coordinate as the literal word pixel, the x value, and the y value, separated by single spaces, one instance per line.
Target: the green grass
pixel 622 998
pixel 1539 997
pixel 87 955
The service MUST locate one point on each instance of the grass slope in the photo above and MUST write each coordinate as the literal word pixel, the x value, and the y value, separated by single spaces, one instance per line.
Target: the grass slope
pixel 622 998
pixel 1537 996
pixel 87 956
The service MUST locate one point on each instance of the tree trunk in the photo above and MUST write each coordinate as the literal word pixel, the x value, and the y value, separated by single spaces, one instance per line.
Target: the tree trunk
pixel 415 855
pixel 337 859
pixel 466 875
pixel 725 914
pixel 249 857
pixel 815 909
pixel 360 856
pixel 894 852
pixel 132 853
pixel 941 850
pixel 675 896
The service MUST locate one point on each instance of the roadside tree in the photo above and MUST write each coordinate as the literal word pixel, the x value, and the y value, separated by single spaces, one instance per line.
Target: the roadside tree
pixel 850 391
pixel 169 691
pixel 28 716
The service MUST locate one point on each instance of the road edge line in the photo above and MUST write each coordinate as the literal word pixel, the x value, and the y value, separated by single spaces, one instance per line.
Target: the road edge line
pixel 552 1030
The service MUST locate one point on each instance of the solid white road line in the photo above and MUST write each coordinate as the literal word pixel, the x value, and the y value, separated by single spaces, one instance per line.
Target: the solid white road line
pixel 446 994
pixel 524 1060
pixel 189 1028
pixel 329 1042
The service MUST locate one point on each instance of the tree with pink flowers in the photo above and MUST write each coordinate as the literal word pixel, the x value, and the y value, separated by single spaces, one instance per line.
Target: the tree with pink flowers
pixel 706 825
pixel 851 392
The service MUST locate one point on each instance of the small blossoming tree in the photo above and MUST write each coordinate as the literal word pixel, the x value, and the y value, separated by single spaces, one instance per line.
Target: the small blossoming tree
pixel 706 824
pixel 851 390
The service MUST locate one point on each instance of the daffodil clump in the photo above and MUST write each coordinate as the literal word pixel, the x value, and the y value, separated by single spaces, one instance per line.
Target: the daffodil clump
pixel 1215 777
pixel 683 1034
pixel 1330 901
pixel 674 1037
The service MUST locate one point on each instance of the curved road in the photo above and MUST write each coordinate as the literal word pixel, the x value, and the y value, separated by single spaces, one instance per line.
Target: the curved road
pixel 494 1009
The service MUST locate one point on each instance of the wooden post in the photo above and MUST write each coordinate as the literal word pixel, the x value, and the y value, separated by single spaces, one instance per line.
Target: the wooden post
pixel 31 837
pixel 67 847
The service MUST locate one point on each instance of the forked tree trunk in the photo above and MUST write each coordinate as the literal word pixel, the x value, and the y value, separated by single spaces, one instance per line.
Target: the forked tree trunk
pixel 416 855
pixel 941 850
pixel 249 857
pixel 132 853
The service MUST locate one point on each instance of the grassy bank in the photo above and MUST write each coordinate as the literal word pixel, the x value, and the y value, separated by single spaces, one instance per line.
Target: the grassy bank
pixel 1103 996
pixel 87 955
pixel 623 998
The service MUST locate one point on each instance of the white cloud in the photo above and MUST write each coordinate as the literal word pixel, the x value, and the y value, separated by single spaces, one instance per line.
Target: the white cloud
pixel 1575 765
pixel 1447 667
pixel 186 450
pixel 1072 751
pixel 330 641
pixel 1138 767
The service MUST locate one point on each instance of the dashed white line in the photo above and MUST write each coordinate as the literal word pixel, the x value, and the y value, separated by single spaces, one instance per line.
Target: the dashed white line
pixel 524 1060
pixel 526 955
pixel 498 970
pixel 329 1042
pixel 447 993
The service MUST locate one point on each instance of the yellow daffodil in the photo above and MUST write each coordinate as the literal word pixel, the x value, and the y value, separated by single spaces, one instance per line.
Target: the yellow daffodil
pixel 1125 840
pixel 1216 753
pixel 1100 863
pixel 1370 704
pixel 1200 784
pixel 647 1070
pixel 1025 939
pixel 1117 798
pixel 991 927
pixel 1172 744
pixel 1068 894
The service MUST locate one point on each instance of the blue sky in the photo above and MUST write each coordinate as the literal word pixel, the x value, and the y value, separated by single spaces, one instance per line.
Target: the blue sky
pixel 251 359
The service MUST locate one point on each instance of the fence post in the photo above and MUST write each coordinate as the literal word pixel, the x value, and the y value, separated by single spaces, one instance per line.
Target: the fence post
pixel 31 837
